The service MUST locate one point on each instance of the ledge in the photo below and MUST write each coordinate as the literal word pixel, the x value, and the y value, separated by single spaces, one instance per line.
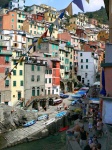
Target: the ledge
pixel 105 98
pixel 106 64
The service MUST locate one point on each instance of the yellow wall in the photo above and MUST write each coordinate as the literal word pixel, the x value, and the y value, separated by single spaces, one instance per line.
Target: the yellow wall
pixel 17 78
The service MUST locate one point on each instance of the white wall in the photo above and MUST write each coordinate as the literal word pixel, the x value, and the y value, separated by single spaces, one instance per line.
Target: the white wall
pixel 92 67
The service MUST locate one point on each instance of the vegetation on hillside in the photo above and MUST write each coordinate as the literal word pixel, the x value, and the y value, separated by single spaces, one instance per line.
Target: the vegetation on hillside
pixel 4 3
pixel 100 15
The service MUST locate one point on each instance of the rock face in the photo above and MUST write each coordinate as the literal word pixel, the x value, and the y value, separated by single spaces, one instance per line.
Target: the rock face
pixel 11 118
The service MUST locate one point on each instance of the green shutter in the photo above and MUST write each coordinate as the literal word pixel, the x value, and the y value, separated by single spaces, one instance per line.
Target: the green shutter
pixel 86 60
pixel 33 91
pixel 14 83
pixel 21 83
pixel 38 68
pixel 6 82
pixel 7 58
pixel 49 80
pixel 32 67
pixel 20 72
pixel 14 72
pixel 21 63
pixel 14 62
pixel 86 66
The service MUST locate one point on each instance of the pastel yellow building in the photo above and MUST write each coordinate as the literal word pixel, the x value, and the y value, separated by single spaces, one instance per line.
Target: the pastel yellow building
pixel 17 79
pixel 103 35
pixel 50 15
pixel 33 27
pixel 21 16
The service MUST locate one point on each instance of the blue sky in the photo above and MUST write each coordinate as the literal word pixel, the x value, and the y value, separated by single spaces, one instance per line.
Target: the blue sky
pixel 60 4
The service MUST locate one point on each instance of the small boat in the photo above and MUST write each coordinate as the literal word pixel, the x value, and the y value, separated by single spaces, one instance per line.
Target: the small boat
pixel 30 123
pixel 57 101
pixel 61 114
pixel 63 129
pixel 43 117
pixel 49 121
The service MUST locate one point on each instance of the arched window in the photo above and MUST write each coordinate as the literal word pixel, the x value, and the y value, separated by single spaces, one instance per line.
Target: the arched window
pixel 33 91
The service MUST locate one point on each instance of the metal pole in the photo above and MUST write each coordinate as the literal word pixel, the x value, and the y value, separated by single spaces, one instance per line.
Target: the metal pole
pixel 110 21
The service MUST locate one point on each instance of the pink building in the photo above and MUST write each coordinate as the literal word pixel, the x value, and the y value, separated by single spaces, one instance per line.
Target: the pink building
pixel 106 99
pixel 93 21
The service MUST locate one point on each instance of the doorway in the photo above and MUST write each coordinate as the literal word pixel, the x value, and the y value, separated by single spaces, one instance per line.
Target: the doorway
pixel 19 95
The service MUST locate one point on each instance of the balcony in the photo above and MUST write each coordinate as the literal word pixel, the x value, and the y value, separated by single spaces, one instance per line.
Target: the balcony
pixel 4 43
pixel 5 52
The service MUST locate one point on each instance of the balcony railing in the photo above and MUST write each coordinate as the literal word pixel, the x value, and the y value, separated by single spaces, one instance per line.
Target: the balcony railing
pixel 5 52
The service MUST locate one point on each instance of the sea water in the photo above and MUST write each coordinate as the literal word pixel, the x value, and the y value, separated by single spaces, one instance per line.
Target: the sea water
pixel 52 142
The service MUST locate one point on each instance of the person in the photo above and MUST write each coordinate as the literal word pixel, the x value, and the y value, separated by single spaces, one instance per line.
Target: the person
pixel 60 107
pixel 99 127
pixel 76 131
pixel 45 108
pixel 90 125
pixel 87 147
pixel 83 138
pixel 98 146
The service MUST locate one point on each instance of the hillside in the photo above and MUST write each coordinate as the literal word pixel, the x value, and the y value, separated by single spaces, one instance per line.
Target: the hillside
pixel 100 15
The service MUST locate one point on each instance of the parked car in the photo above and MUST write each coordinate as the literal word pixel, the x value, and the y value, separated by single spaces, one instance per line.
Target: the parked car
pixel 64 95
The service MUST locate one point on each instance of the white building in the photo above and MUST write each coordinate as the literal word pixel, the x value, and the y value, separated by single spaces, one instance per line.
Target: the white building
pixel 20 4
pixel 87 67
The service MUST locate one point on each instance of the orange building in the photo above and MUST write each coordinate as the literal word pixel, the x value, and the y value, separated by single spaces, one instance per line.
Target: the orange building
pixel 8 21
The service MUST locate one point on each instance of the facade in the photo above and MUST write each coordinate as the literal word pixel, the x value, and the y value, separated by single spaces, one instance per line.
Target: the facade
pixel 93 21
pixel 5 67
pixel 34 9
pixel 55 76
pixel 34 79
pixel 20 4
pixel 33 27
pixel 50 15
pixel 8 21
pixel 87 67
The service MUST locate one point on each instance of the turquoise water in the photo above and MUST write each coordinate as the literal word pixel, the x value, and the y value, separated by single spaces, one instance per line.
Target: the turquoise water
pixel 53 142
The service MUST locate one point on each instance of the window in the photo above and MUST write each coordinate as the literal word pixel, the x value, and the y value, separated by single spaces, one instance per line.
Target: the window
pixel 38 78
pixel 35 27
pixel 81 66
pixel 50 71
pixel 81 60
pixel 49 80
pixel 86 66
pixel 12 20
pixel 20 72
pixel 12 14
pixel 80 54
pixel 38 68
pixel 21 63
pixel 45 80
pixel 56 90
pixel 14 83
pixel 21 83
pixel 33 91
pixel 31 26
pixel 34 32
pixel 30 31
pixel 6 82
pixel 32 78
pixel 32 67
pixel 14 72
pixel 86 60
pixel 6 58
pixel 18 26
pixel 46 72
pixel 6 71
pixel 14 62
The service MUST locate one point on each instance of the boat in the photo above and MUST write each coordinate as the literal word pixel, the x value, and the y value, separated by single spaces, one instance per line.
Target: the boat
pixel 49 121
pixel 64 95
pixel 63 129
pixel 42 117
pixel 60 114
pixel 30 123
pixel 57 101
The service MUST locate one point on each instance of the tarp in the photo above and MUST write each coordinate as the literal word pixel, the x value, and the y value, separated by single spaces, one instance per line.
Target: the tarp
pixel 76 96
pixel 94 100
